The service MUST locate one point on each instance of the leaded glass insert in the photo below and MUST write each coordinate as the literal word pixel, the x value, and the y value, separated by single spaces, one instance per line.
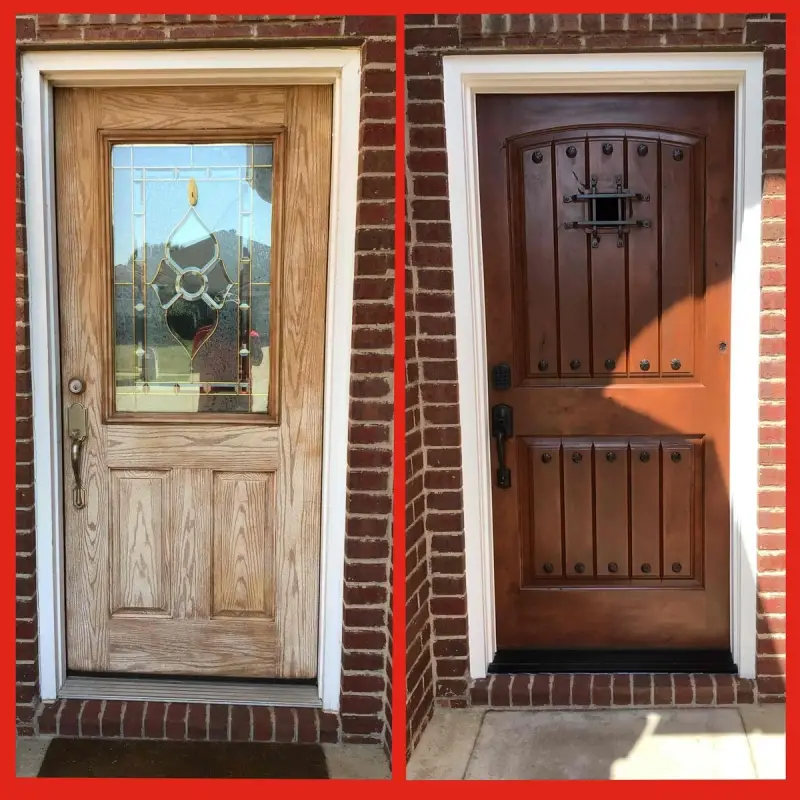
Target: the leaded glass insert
pixel 191 238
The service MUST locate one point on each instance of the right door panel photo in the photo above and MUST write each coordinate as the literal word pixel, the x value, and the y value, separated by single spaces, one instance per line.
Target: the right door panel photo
pixel 591 581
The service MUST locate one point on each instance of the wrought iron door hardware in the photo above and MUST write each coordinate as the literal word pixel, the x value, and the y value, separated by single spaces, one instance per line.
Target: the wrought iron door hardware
pixel 604 215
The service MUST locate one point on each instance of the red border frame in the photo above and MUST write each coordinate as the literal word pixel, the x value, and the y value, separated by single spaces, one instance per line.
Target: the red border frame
pixel 213 788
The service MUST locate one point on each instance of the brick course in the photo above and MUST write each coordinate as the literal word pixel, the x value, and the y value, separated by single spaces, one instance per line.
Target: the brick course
pixel 608 691
pixel 366 660
pixel 433 468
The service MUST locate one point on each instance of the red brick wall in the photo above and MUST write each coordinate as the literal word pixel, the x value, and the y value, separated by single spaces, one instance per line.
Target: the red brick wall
pixel 419 662
pixel 436 526
pixel 365 667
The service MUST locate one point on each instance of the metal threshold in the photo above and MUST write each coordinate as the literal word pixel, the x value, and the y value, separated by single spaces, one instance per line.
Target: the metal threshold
pixel 174 690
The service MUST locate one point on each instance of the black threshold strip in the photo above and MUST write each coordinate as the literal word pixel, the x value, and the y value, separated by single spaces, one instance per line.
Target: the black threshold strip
pixel 116 758
pixel 512 661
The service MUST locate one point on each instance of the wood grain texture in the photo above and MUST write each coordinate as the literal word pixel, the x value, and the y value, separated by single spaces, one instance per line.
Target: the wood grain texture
pixel 83 347
pixel 139 557
pixel 221 647
pixel 243 545
pixel 202 446
pixel 302 291
pixel 192 107
pixel 192 490
pixel 173 496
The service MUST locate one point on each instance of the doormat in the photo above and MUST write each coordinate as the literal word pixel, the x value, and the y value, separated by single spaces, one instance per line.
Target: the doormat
pixel 103 758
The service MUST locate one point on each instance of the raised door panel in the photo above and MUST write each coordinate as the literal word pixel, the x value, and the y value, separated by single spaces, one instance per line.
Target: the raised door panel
pixel 617 510
pixel 614 301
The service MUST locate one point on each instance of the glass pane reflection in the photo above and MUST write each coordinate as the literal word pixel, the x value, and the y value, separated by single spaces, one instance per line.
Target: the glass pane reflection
pixel 191 243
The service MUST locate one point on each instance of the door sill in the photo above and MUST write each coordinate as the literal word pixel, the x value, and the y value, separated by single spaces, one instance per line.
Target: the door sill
pixel 190 691
pixel 513 661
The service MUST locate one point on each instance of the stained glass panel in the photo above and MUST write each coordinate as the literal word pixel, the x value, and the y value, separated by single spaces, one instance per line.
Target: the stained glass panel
pixel 192 276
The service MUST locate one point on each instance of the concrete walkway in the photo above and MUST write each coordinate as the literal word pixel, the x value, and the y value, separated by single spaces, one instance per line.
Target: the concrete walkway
pixel 345 761
pixel 649 744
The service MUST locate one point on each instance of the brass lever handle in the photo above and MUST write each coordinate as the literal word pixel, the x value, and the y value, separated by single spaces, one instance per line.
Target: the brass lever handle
pixel 77 424
pixel 78 495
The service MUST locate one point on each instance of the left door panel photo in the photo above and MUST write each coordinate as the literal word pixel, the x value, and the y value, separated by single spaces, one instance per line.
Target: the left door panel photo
pixel 207 249
pixel 192 526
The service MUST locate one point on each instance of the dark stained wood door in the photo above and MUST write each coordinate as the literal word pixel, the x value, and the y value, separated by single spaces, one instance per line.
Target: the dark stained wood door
pixel 607 246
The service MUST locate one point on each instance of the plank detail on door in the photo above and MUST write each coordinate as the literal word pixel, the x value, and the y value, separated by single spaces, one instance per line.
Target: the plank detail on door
pixel 606 234
pixel 198 550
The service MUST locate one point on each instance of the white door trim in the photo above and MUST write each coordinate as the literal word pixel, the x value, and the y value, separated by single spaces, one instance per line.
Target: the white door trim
pixel 469 75
pixel 41 71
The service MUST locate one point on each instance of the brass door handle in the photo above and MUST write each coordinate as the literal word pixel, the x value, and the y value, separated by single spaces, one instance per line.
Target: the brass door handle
pixel 77 424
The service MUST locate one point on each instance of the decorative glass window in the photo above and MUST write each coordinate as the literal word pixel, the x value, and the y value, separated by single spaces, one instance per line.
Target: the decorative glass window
pixel 191 242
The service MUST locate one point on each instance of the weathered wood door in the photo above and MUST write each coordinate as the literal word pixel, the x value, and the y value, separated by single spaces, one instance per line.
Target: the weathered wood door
pixel 192 258
pixel 607 248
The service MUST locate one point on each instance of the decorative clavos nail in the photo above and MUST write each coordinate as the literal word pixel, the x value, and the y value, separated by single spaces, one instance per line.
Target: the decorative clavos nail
pixel 610 363
pixel 611 457
pixel 580 568
pixel 572 151
pixel 677 154
pixel 543 365
pixel 577 458
pixel 574 364
pixel 547 567
pixel 613 567
pixel 676 457
pixel 537 157
pixel 642 149
pixel 646 569
pixel 676 567
pixel 675 363
pixel 644 457
pixel 608 149
pixel 546 458
pixel 644 365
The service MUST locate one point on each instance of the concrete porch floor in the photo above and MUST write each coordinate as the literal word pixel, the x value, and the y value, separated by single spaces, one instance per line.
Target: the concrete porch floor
pixel 748 742
pixel 345 761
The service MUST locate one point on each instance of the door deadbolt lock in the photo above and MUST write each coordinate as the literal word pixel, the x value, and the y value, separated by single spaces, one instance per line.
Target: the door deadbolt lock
pixel 76 386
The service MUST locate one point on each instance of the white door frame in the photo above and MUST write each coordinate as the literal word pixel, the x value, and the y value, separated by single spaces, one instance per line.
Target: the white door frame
pixel 470 75
pixel 41 71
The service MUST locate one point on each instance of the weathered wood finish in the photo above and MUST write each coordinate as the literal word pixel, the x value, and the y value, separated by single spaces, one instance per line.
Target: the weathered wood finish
pixel 198 549
pixel 615 531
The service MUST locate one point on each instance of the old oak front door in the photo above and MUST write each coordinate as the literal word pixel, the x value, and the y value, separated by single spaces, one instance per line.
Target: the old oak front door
pixel 607 247
pixel 192 255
